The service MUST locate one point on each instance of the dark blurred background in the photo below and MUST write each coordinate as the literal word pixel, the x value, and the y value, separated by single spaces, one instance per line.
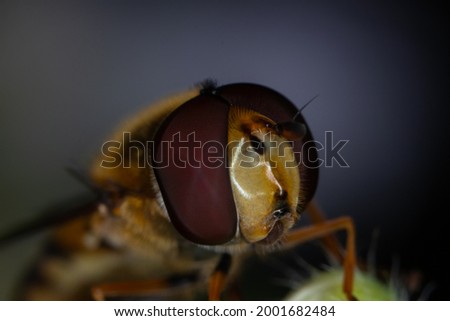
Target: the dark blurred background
pixel 71 70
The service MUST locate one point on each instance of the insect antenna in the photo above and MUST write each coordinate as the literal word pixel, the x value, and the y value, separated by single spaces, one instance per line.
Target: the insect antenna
pixel 291 130
pixel 294 129
pixel 303 107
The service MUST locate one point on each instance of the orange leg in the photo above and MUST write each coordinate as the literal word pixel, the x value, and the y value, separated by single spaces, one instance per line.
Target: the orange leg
pixel 323 229
pixel 141 287
pixel 218 277
pixel 330 241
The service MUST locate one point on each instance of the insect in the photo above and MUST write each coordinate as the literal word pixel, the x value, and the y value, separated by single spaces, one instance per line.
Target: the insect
pixel 185 190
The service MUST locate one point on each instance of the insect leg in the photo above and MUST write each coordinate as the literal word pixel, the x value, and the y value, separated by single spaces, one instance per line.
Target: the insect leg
pixel 141 288
pixel 324 228
pixel 218 277
pixel 330 241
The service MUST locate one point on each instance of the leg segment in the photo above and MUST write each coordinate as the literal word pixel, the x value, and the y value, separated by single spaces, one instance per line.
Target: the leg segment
pixel 323 229
pixel 330 241
pixel 142 288
pixel 218 277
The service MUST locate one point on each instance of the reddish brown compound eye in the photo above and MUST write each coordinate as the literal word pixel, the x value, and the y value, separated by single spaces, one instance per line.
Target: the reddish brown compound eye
pixel 275 106
pixel 194 181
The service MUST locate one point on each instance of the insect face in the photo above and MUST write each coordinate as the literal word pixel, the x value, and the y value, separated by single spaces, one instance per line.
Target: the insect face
pixel 264 176
pixel 254 193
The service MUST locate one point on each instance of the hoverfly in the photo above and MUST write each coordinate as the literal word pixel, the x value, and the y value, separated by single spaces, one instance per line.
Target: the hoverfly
pixel 185 190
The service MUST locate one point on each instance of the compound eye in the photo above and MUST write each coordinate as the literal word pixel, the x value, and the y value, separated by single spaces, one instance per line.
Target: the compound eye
pixel 196 192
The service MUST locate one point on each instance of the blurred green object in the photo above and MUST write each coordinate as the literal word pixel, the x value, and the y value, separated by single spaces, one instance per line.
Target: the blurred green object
pixel 327 286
